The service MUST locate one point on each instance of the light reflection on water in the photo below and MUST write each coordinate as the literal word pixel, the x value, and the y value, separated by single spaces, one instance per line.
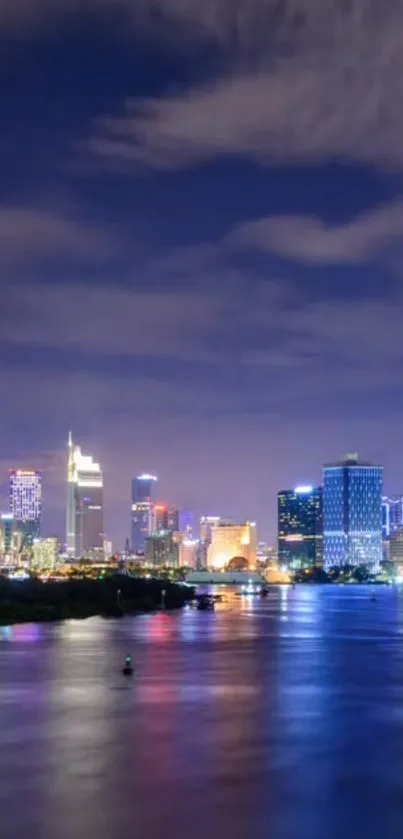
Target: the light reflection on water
pixel 277 717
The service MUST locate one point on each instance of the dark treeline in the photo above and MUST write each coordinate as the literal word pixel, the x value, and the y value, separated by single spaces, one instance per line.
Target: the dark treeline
pixel 114 596
pixel 345 573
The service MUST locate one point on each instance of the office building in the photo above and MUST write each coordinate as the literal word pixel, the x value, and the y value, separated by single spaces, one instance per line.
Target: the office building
pixel 11 538
pixel 396 548
pixel 107 548
pixel 385 517
pixel 142 511
pixel 189 553
pixel 26 503
pixel 395 513
pixel 267 555
pixel 352 513
pixel 186 522
pixel 300 527
pixel 84 504
pixel 45 554
pixel 173 519
pixel 160 521
pixel 232 542
pixel 161 549
pixel 143 488
pixel 206 525
pixel 7 528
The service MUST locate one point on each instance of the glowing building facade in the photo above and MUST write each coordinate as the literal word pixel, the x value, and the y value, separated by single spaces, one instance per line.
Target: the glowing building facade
pixel 352 513
pixel 392 515
pixel 26 503
pixel 300 527
pixel 232 541
pixel 45 554
pixel 142 511
pixel 206 525
pixel 189 553
pixel 11 538
pixel 85 531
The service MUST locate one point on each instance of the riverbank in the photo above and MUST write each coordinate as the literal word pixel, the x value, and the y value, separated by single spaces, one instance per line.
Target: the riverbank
pixel 33 601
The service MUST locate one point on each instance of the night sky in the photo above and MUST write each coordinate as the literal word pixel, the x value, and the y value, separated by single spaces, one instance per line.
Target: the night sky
pixel 201 222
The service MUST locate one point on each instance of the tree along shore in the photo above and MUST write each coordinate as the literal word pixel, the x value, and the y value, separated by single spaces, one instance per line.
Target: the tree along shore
pixel 114 596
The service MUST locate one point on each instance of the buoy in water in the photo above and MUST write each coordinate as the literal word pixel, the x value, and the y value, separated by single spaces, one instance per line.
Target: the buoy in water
pixel 128 668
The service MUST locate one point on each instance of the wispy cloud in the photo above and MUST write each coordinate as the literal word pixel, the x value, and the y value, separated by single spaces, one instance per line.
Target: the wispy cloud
pixel 27 234
pixel 299 80
pixel 309 239
pixel 236 328
pixel 109 320
pixel 322 82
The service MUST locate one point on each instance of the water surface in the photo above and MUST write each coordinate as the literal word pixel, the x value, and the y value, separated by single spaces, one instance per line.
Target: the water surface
pixel 278 718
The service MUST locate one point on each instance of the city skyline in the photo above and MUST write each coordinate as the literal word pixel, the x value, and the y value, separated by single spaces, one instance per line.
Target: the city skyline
pixel 266 528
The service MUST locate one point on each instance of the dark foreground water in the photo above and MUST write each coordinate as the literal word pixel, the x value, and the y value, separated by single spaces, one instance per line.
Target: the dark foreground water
pixel 280 719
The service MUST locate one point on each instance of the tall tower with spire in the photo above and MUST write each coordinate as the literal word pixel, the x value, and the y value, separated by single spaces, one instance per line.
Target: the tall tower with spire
pixel 71 513
pixel 84 530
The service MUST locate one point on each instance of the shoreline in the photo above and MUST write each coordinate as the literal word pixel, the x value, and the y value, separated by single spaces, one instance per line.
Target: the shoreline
pixel 33 601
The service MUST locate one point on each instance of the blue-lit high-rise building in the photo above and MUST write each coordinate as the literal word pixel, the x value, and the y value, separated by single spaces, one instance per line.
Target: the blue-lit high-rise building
pixel 300 532
pixel 352 513
pixel 142 511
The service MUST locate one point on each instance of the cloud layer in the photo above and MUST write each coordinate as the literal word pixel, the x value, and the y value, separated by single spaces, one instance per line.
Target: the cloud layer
pixel 299 80
pixel 322 81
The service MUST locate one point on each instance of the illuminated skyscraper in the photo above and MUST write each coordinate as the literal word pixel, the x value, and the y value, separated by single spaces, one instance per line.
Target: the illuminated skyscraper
pixel 161 549
pixel 352 513
pixel 189 553
pixel 174 519
pixel 142 510
pixel 161 516
pixel 206 525
pixel 11 537
pixel 386 502
pixel 395 512
pixel 26 503
pixel 6 534
pixel 84 503
pixel 300 528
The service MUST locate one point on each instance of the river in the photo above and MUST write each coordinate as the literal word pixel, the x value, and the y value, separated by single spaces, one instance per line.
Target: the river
pixel 278 718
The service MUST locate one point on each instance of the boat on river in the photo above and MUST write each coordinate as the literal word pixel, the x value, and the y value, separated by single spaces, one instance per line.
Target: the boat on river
pixel 205 602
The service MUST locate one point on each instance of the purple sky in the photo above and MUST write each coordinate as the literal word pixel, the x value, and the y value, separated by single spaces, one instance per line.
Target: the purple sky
pixel 201 223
